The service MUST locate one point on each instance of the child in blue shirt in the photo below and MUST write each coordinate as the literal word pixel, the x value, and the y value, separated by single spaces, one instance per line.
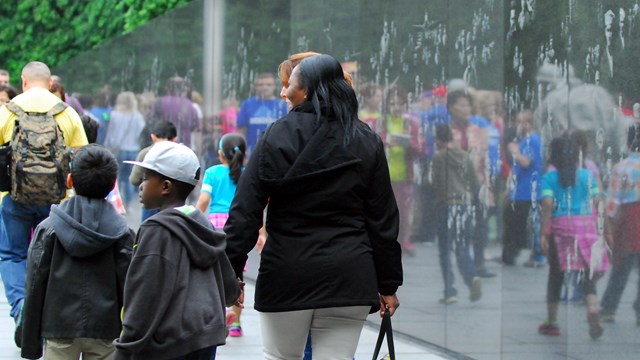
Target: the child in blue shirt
pixel 218 189
pixel 220 181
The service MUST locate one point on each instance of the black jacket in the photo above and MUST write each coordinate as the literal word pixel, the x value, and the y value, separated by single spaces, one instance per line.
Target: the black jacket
pixel 178 284
pixel 332 218
pixel 76 268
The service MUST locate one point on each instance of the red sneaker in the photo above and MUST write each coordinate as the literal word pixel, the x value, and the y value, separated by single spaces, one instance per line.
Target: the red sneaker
pixel 549 329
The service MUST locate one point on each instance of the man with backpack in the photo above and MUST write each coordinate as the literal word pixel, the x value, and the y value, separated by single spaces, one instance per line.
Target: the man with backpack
pixel 41 130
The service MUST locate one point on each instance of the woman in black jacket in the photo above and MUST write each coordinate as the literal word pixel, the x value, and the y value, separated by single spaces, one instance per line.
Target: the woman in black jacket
pixel 332 252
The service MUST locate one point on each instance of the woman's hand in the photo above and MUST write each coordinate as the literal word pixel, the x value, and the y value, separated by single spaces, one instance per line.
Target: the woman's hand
pixel 390 302
pixel 240 302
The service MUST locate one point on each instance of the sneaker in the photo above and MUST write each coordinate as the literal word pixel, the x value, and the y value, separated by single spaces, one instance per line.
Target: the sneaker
pixel 408 249
pixel 235 330
pixel 607 317
pixel 230 319
pixel 448 300
pixel 595 329
pixel 476 289
pixel 549 329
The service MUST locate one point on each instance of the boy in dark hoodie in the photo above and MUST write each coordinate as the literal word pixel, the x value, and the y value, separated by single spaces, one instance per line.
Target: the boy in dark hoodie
pixel 180 279
pixel 456 187
pixel 76 267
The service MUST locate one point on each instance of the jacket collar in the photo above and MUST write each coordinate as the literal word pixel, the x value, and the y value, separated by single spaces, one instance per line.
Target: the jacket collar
pixel 322 152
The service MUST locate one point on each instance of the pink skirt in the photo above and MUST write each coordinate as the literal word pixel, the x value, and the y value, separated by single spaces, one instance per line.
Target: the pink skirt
pixel 577 244
pixel 218 220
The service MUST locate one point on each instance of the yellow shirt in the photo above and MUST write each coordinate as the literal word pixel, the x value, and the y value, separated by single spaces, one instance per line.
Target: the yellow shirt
pixel 41 100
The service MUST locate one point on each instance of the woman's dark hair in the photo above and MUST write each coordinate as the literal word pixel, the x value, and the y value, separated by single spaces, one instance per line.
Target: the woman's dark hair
pixel 10 90
pixel 328 91
pixel 580 140
pixel 234 148
pixel 633 138
pixel 579 137
pixel 90 126
pixel 58 87
pixel 94 170
pixel 564 156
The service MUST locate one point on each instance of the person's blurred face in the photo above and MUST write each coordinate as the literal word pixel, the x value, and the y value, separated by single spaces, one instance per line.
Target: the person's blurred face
pixel 461 109
pixel 523 125
pixel 4 79
pixel 4 97
pixel 294 93
pixel 374 101
pixel 490 112
pixel 396 105
pixel 265 87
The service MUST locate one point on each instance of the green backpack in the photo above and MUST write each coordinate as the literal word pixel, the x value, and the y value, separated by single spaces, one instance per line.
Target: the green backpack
pixel 40 159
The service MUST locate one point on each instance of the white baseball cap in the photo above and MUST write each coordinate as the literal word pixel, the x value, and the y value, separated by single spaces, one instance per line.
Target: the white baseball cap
pixel 172 160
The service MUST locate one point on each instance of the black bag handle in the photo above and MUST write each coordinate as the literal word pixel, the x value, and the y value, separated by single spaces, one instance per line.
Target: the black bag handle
pixel 385 329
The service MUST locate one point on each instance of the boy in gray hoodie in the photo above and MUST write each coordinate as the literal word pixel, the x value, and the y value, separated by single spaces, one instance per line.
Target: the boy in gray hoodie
pixel 76 267
pixel 456 188
pixel 180 279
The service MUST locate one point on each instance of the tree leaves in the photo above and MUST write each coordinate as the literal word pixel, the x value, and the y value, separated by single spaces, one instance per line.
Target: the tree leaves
pixel 54 31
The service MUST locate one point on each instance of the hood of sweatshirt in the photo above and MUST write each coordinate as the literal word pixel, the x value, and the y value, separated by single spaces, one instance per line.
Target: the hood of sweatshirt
pixel 455 157
pixel 188 225
pixel 301 146
pixel 86 226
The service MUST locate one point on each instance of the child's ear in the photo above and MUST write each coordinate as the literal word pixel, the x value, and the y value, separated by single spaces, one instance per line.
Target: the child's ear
pixel 69 181
pixel 167 187
pixel 154 138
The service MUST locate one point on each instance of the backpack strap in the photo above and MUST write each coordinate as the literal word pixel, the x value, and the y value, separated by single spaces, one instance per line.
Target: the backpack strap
pixel 57 109
pixel 15 108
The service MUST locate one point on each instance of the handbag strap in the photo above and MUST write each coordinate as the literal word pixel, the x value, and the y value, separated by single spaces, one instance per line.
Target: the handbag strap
pixel 385 329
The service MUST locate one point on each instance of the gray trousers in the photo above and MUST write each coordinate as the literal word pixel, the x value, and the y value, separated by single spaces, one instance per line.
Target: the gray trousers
pixel 334 332
pixel 91 349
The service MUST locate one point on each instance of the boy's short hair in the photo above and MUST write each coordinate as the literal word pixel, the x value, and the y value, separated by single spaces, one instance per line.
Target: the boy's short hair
pixel 90 128
pixel 175 162
pixel 443 133
pixel 94 170
pixel 164 130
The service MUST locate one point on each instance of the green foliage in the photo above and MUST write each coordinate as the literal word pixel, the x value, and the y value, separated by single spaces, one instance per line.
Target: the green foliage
pixel 54 31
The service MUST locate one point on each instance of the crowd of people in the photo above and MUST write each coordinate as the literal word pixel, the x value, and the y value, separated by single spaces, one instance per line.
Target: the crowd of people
pixel 333 181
